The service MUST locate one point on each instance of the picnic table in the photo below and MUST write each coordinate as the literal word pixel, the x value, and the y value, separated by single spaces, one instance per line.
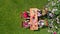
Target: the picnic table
pixel 33 19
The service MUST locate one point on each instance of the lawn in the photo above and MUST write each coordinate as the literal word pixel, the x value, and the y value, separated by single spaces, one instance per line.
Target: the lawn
pixel 10 21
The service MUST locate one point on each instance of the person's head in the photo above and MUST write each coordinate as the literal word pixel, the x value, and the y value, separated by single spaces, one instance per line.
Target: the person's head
pixel 25 20
pixel 28 20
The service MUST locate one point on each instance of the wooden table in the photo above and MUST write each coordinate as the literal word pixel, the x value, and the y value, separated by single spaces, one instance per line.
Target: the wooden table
pixel 33 26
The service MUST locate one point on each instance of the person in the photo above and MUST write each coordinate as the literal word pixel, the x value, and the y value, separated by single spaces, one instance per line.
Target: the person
pixel 41 23
pixel 25 14
pixel 25 24
pixel 39 14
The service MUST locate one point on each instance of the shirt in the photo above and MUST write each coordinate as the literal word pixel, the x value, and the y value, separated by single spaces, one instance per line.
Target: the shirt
pixel 39 14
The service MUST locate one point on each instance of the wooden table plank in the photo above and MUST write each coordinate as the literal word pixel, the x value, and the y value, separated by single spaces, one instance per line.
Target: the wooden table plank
pixel 33 26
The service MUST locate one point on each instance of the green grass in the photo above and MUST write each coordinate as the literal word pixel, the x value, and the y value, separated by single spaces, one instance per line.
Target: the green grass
pixel 10 21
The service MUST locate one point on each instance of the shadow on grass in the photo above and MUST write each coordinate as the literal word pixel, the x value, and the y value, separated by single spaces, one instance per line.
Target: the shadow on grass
pixel 37 30
pixel 41 28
